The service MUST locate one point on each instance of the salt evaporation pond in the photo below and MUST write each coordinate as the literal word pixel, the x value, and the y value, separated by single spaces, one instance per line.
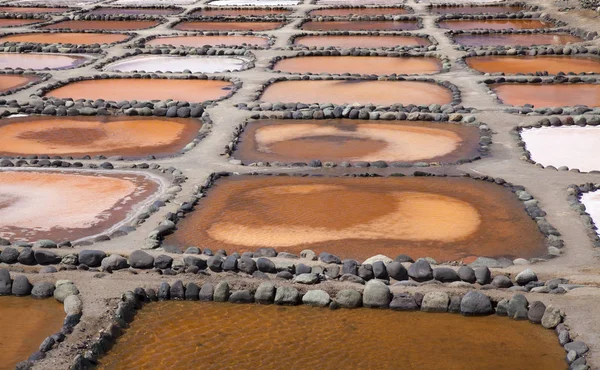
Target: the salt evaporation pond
pixel 553 64
pixel 14 22
pixel 306 337
pixel 357 91
pixel 163 63
pixel 253 3
pixel 571 146
pixel 144 89
pixel 41 61
pixel 555 95
pixel 76 38
pixel 443 218
pixel 591 201
pixel 360 25
pixel 10 82
pixel 247 12
pixel 26 9
pixel 26 323
pixel 68 205
pixel 361 65
pixel 341 140
pixel 494 24
pixel 361 41
pixel 81 25
pixel 130 137
pixel 515 39
pixel 226 26
pixel 136 11
pixel 345 12
pixel 359 2
pixel 199 41
pixel 477 9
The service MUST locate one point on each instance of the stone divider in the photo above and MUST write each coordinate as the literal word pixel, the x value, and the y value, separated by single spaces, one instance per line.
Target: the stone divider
pixel 284 20
pixel 505 16
pixel 574 193
pixel 404 7
pixel 367 18
pixel 528 7
pixel 41 78
pixel 434 43
pixel 142 43
pixel 62 48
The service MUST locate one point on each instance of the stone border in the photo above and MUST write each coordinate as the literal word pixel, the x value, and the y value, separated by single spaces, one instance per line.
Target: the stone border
pixel 203 131
pixel 43 19
pixel 485 140
pixel 580 121
pixel 234 8
pixel 528 108
pixel 257 104
pixel 161 199
pixel 574 193
pixel 283 20
pixel 90 59
pixel 151 7
pixel 554 241
pixel 506 16
pixel 67 8
pixel 375 295
pixel 71 48
pixel 366 18
pixel 237 84
pixel 528 7
pixel 68 295
pixel 557 50
pixel 112 17
pixel 405 7
pixel 292 46
pixel 445 62
pixel 584 35
pixel 43 77
pixel 141 43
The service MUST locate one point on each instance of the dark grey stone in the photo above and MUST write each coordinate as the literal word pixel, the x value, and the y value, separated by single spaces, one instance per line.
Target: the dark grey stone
pixel 241 296
pixel 285 275
pixel 501 281
pixel 303 269
pixel 265 265
pixel 467 274
pixel 536 312
pixel 352 279
pixel 140 260
pixel 517 307
pixel 379 271
pixel 206 292
pixel 445 275
pixel 164 291
pixel 163 261
pixel 5 282
pixel 90 257
pixel 454 306
pixel 403 302
pixel 215 263
pixel 420 271
pixel 397 271
pixel 483 275
pixel 42 289
pixel 285 295
pixel 177 290
pixel 265 293
pixel 350 267
pixel 46 257
pixel 579 347
pixel 21 286
pixel 190 261
pixel 404 258
pixel 247 265
pixel 27 257
pixel 365 272
pixel 230 263
pixel 9 255
pixel 475 304
pixel 329 258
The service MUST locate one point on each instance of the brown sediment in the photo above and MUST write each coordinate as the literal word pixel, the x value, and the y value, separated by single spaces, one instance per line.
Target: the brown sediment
pixel 357 91
pixel 532 64
pixel 556 95
pixel 26 322
pixel 227 26
pixel 356 140
pixel 360 25
pixel 444 218
pixel 494 24
pixel 77 38
pixel 38 10
pixel 344 12
pixel 135 11
pixel 248 12
pixel 11 22
pixel 198 41
pixel 40 61
pixel 144 89
pixel 360 65
pixel 131 137
pixel 360 41
pixel 67 205
pixel 9 82
pixel 516 39
pixel 318 338
pixel 476 9
pixel 81 25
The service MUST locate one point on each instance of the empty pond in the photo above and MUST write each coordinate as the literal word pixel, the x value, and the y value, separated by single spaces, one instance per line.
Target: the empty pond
pixel 227 26
pixel 516 39
pixel 476 9
pixel 361 41
pixel 340 140
pixel 360 65
pixel 199 41
pixel 494 24
pixel 144 89
pixel 357 91
pixel 360 25
pixel 77 38
pixel 69 205
pixel 533 64
pixel 131 137
pixel 10 82
pixel 444 218
pixel 344 12
pixel 81 25
pixel 556 95
pixel 26 323
pixel 571 146
pixel 309 337
pixel 163 63
pixel 41 61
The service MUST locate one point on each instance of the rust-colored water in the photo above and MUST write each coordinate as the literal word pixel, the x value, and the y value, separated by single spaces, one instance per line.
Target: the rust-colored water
pixel 360 25
pixel 198 41
pixel 227 26
pixel 78 38
pixel 136 11
pixel 26 322
pixel 557 95
pixel 361 65
pixel 40 61
pixel 81 25
pixel 344 12
pixel 25 9
pixel 353 91
pixel 67 205
pixel 133 137
pixel 533 64
pixel 476 9
pixel 144 89
pixel 9 82
pixel 173 335
pixel 516 39
pixel 494 24
pixel 247 12
pixel 357 41
pixel 443 218
pixel 10 22
pixel 356 140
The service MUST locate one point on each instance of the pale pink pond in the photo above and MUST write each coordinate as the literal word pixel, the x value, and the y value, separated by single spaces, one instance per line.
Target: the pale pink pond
pixel 199 64
pixel 591 201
